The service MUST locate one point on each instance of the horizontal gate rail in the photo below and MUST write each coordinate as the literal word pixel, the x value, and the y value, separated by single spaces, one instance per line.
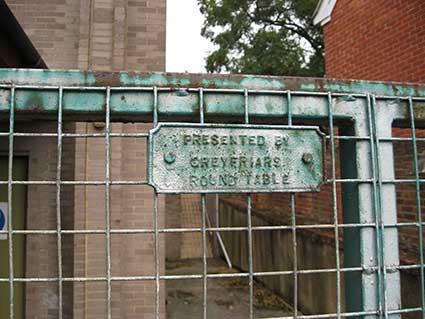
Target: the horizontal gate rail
pixel 132 95
pixel 364 112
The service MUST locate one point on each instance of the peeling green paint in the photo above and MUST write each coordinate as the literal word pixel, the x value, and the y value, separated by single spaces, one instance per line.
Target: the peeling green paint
pixel 219 83
pixel 85 78
pixel 180 82
pixel 155 79
pixel 232 104
pixel 27 100
pixel 367 87
pixel 265 105
pixel 90 96
pixel 131 102
pixel 136 79
pixel 4 100
pixel 88 102
pixel 174 102
pixel 46 77
pixel 262 83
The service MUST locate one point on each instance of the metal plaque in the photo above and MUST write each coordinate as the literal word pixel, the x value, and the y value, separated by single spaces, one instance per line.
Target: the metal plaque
pixel 210 158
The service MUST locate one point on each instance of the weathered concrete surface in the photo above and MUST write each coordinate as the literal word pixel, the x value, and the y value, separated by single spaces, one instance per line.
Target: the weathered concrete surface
pixel 227 298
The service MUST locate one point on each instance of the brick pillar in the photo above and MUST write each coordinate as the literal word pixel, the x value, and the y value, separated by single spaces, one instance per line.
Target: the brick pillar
pixel 117 35
pixel 131 208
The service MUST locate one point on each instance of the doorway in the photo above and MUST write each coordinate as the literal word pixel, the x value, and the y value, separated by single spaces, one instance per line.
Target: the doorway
pixel 19 199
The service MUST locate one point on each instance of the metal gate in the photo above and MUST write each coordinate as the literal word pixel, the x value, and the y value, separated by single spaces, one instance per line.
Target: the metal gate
pixel 343 133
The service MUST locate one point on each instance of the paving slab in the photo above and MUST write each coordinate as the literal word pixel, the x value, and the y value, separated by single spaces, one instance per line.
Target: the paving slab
pixel 227 297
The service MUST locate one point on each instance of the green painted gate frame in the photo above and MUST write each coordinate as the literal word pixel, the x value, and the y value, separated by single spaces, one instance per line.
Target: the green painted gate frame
pixel 368 110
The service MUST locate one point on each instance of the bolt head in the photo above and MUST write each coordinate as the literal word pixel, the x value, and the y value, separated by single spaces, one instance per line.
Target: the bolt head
pixel 307 158
pixel 169 157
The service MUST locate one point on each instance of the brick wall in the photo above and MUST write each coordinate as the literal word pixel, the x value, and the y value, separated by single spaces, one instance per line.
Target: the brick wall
pixel 106 35
pixel 376 40
pixel 83 208
pixel 52 26
pixel 131 208
pixel 383 40
pixel 99 35
pixel 41 254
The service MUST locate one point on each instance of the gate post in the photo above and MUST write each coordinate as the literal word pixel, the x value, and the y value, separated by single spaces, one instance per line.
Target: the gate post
pixel 385 112
pixel 373 248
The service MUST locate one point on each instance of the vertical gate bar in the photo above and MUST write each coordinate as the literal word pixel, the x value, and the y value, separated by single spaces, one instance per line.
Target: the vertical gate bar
pixel 293 221
pixel 384 118
pixel 9 202
pixel 201 106
pixel 155 106
pixel 375 202
pixel 418 202
pixel 246 106
pixel 204 232
pixel 294 252
pixel 216 234
pixel 58 203
pixel 156 239
pixel 289 103
pixel 249 227
pixel 155 123
pixel 156 217
pixel 250 258
pixel 217 224
pixel 381 212
pixel 107 199
pixel 335 206
pixel 204 258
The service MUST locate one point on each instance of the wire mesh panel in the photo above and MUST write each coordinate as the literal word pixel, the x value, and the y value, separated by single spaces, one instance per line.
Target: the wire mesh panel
pixel 98 236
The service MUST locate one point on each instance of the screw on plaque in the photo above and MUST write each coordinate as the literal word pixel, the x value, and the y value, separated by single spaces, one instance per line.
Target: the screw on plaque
pixel 307 158
pixel 169 158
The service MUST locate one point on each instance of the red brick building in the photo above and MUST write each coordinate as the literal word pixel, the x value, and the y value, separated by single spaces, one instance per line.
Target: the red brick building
pixel 373 39
pixel 381 40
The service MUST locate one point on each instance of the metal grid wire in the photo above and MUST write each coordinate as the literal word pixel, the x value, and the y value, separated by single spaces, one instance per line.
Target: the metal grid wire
pixel 376 182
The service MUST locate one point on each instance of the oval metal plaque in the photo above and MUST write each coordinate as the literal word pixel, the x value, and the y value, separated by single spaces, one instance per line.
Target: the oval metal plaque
pixel 212 158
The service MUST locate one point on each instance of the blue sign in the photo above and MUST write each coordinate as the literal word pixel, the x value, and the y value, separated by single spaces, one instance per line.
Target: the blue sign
pixel 2 220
